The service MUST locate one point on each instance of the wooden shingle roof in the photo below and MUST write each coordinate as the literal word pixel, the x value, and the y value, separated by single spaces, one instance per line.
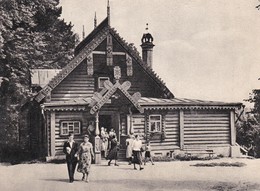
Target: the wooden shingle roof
pixel 183 103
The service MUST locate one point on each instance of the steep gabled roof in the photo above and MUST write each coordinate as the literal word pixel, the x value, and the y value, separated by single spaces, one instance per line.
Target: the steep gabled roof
pixel 92 43
pixel 87 46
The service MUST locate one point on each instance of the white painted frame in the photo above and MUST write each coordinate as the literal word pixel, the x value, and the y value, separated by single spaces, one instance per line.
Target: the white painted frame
pixel 160 121
pixel 68 130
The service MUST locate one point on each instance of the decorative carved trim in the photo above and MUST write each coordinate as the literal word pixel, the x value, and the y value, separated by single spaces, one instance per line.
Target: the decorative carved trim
pixel 90 69
pixel 109 50
pixel 129 70
pixel 73 63
pixel 117 72
pixel 98 100
pixel 104 99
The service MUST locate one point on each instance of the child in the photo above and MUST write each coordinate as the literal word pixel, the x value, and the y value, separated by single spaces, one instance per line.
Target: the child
pixel 148 153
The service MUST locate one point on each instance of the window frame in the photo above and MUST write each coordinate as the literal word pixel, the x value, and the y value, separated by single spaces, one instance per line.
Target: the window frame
pixel 160 121
pixel 103 78
pixel 68 130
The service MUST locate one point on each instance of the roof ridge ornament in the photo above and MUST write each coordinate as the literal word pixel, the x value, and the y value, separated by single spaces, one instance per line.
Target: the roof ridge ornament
pixel 95 20
pixel 83 33
pixel 108 12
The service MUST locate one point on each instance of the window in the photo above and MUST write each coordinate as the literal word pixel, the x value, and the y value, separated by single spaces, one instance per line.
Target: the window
pixel 70 127
pixel 101 81
pixel 155 123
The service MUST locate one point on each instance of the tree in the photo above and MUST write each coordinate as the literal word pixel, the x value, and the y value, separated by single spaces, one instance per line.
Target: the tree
pixel 31 36
pixel 248 129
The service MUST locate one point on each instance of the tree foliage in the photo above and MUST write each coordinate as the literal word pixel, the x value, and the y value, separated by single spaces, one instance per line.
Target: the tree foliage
pixel 248 129
pixel 31 36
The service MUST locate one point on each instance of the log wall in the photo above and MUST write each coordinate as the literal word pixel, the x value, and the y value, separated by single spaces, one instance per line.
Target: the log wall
pixel 76 85
pixel 209 127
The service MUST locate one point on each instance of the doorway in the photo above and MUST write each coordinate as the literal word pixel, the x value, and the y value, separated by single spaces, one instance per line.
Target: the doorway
pixel 109 121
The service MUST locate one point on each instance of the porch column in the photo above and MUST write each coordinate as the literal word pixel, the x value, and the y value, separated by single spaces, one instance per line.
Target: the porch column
pixel 97 141
pixel 52 134
pixel 181 121
pixel 232 128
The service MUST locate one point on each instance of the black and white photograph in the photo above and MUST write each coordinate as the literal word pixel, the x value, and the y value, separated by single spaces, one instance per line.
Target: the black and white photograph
pixel 133 95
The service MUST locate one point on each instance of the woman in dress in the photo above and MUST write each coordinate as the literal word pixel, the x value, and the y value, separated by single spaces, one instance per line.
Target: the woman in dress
pixel 137 153
pixel 104 140
pixel 129 152
pixel 112 155
pixel 86 155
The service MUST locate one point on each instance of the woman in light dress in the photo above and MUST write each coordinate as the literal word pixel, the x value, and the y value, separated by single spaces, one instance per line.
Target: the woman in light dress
pixel 129 151
pixel 137 153
pixel 85 154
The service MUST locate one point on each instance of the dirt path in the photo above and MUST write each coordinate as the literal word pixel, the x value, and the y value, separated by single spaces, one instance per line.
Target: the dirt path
pixel 162 176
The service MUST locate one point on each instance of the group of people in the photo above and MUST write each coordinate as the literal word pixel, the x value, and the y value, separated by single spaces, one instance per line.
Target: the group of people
pixel 134 151
pixel 83 154
pixel 106 140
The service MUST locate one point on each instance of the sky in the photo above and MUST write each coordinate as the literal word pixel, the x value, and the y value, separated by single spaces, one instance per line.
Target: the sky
pixel 204 49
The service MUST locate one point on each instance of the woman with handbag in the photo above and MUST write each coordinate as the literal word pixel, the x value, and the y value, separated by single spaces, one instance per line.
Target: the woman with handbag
pixel 86 155
pixel 137 152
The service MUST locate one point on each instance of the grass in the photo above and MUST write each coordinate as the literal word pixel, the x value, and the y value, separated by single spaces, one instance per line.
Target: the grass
pixel 222 164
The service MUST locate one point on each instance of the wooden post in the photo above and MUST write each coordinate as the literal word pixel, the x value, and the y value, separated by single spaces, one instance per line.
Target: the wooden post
pixel 97 124
pixel 181 120
pixel 232 128
pixel 97 142
pixel 52 132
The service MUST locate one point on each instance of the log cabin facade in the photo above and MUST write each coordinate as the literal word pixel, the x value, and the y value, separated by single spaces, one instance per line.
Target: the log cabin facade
pixel 108 84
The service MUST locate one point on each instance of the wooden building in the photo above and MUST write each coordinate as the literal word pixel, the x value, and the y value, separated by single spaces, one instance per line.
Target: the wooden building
pixel 108 84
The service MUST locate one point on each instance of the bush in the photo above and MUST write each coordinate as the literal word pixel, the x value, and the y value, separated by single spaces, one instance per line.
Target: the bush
pixel 14 154
pixel 162 159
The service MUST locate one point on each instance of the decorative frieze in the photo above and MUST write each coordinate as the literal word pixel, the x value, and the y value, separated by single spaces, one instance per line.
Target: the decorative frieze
pixel 109 50
pixel 90 69
pixel 129 69
pixel 117 72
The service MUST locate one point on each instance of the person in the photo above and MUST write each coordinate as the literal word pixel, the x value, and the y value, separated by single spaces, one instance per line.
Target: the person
pixel 85 156
pixel 91 131
pixel 112 154
pixel 147 154
pixel 70 148
pixel 129 152
pixel 104 142
pixel 137 154
pixel 111 134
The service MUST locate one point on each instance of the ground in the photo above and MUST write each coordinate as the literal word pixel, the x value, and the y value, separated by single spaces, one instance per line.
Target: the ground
pixel 176 175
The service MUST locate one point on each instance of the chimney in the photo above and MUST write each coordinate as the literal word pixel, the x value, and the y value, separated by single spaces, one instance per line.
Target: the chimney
pixel 147 48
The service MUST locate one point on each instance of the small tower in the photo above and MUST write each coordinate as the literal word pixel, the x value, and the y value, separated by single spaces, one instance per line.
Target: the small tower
pixel 147 48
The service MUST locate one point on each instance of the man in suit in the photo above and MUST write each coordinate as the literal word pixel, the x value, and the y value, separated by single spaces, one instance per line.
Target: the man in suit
pixel 70 148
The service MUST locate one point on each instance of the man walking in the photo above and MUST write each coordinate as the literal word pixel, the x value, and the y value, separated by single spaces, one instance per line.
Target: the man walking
pixel 70 148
